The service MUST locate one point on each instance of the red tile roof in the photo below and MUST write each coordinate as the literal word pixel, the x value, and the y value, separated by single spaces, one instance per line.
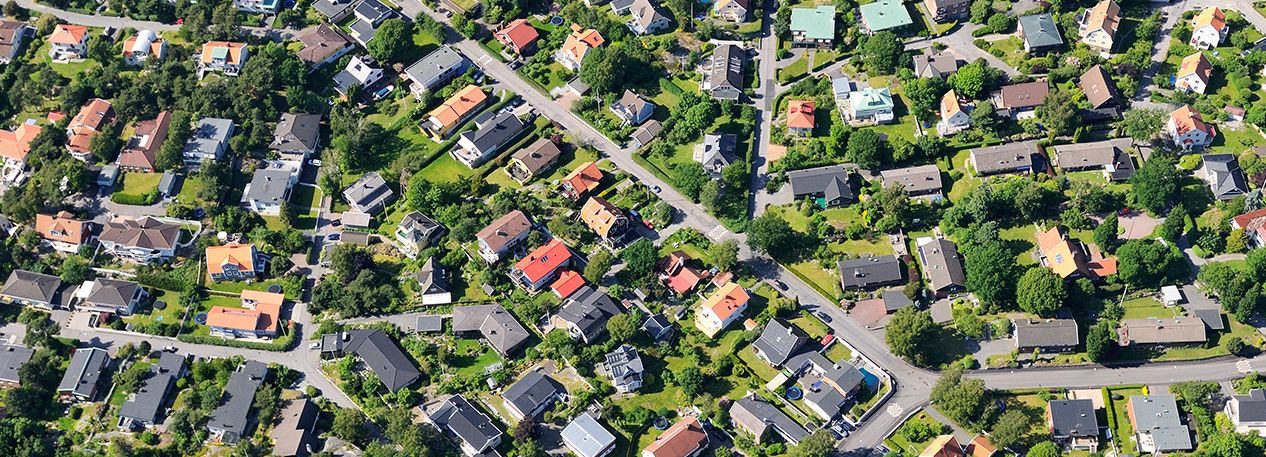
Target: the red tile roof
pixel 568 283
pixel 543 260
pixel 518 34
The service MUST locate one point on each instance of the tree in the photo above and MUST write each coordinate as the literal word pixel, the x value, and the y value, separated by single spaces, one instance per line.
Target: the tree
pixel 622 327
pixel 1143 123
pixel 1012 428
pixel 866 149
pixel 1235 345
pixel 724 255
pixel 710 196
pixel 171 153
pixel 1156 183
pixel 989 272
pixel 735 175
pixel 971 80
pixel 465 26
pixel 394 40
pixel 983 117
pixel 349 425
pixel 690 179
pixel 819 444
pixel 691 380
pixel 1145 262
pixel 1099 341
pixel 980 10
pixel 14 11
pixel 599 265
pixel 1106 233
pixel 909 332
pixel 959 399
pixel 771 234
pixel 613 68
pixel 1172 228
pixel 525 430
pixel 881 51
pixel 1044 449
pixel 101 51
pixel 1041 292
pixel 74 269
pixel 1059 113
pixel 1237 241
pixel 639 258
pixel 529 448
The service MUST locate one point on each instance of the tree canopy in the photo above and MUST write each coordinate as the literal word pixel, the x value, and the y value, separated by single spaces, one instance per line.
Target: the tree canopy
pixel 1041 291
pixel 1156 183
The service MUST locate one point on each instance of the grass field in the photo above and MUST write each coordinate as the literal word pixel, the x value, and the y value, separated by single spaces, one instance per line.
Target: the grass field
pixel 445 168
pixel 795 71
pixel 1142 308
pixel 1236 141
pixel 306 196
pixel 901 445
pixel 139 183
pixel 471 357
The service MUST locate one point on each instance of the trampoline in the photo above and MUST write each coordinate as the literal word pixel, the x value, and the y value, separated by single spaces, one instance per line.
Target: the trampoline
pixel 289 4
pixel 274 288
pixel 158 318
pixel 556 21
pixel 794 393
pixel 200 318
pixel 661 423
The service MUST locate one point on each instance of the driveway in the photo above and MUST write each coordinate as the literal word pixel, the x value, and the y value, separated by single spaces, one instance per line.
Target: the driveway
pixel 982 349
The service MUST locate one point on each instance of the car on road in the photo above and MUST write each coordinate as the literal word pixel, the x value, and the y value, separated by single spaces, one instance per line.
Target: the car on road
pixel 780 284
pixel 333 237
pixel 648 224
pixel 316 345
pixel 655 188
pixel 171 349
pixel 314 162
pixel 448 13
pixel 824 316
pixel 515 64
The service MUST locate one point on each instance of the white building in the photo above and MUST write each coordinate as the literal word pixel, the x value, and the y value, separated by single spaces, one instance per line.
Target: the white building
pixel 953 117
pixel 142 46
pixel 1208 29
pixel 1187 129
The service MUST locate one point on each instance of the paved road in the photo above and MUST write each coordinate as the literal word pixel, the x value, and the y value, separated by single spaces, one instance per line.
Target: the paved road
pixel 120 22
pixel 757 197
pixel 962 43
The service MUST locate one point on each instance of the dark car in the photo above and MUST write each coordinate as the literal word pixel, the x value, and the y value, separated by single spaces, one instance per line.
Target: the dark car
pixel 781 285
pixel 824 316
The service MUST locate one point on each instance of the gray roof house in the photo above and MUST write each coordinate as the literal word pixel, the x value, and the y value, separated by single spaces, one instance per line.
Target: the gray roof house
pixel 229 422
pixel 11 360
pixel 269 187
pixel 415 232
pixel 31 289
pixel 378 352
pixel 295 435
pixel 1247 412
pixel 778 341
pixel 369 15
pixel 830 183
pixel 334 10
pixel 585 437
pixel 1212 318
pixel 531 395
pixel 645 133
pixel 297 134
pixel 84 374
pixel 1004 158
pixel 716 152
pixel 1073 422
pixel 1174 331
pixel 112 296
pixel 369 194
pixel 943 267
pixel 917 181
pixel 437 68
pixel 723 77
pixel 936 65
pixel 1224 175
pixel 1039 33
pixel 757 417
pixel 870 272
pixel 502 331
pixel 1158 426
pixel 208 140
pixel 657 326
pixel 894 300
pixel 632 108
pixel 142 239
pixel 647 19
pixel 143 408
pixel 167 184
pixel 1050 335
pixel 827 385
pixel 624 367
pixel 475 431
pixel 477 146
pixel 585 313
pixel 433 283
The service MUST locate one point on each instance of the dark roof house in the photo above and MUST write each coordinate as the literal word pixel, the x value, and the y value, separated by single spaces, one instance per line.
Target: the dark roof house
pixel 1224 175
pixel 295 434
pixel 830 183
pixel 869 272
pixel 943 267
pixel 379 353
pixel 297 132
pixel 229 422
pixel 476 432
pixel 532 394
pixel 586 312
pixel 778 341
pixel 502 331
pixel 1050 334
pixel 369 194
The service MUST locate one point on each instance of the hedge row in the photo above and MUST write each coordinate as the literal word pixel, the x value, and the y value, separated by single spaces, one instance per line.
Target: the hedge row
pixel 282 344
pixel 671 87
pixel 146 199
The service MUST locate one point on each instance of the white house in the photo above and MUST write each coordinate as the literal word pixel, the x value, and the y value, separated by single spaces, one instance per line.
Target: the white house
pixel 1194 73
pixel 357 72
pixel 1247 412
pixel 1187 129
pixel 225 57
pixel 69 42
pixel 632 108
pixel 953 117
pixel 144 45
pixel 1208 29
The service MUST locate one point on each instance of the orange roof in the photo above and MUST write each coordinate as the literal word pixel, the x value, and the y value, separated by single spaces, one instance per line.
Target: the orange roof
pixel 1187 119
pixel 262 298
pixel 543 260
pixel 1048 239
pixel 234 56
pixel 1250 220
pixel 1104 15
pixel 519 34
pixel 94 115
pixel 800 114
pixel 943 446
pixel 459 105
pixel 1212 16
pixel 601 216
pixel 980 446
pixel 63 227
pixel 1105 267
pixel 749 325
pixel 68 34
pixel 1061 256
pixel 568 283
pixel 241 255
pixel 155 47
pixel 580 42
pixel 16 144
pixel 684 280
pixel 950 105
pixel 1196 63
pixel 680 440
pixel 269 316
pixel 585 177
pixel 233 318
pixel 726 301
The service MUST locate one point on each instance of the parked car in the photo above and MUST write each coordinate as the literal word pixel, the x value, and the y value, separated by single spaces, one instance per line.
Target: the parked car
pixel 648 224
pixel 314 162
pixel 333 237
pixel 780 284
pixel 824 316
pixel 515 64
pixel 655 188
pixel 171 349
pixel 316 345
pixel 336 222
pixel 634 214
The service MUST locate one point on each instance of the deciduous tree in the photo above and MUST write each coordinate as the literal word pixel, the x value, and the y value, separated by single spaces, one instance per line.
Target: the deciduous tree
pixel 909 332
pixel 1099 341
pixel 1156 183
pixel 1041 291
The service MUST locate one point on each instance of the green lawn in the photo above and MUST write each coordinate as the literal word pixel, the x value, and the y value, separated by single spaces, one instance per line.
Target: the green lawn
pixel 139 183
pixel 1123 432
pixel 557 76
pixel 445 168
pixel 653 394
pixel 471 357
pixel 1013 54
pixel 839 352
pixel 811 325
pixel 69 70
pixel 1236 141
pixel 306 196
pixel 1142 308
pixel 901 445
pixel 172 314
pixel 795 71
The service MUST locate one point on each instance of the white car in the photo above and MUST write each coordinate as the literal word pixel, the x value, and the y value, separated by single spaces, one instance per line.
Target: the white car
pixel 314 162
pixel 316 345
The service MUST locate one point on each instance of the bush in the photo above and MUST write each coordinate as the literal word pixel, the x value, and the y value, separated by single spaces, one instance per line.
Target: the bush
pixel 282 344
pixel 670 87
pixel 146 199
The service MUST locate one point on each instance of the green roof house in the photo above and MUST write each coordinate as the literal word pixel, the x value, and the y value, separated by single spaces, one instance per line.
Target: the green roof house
pixel 1040 34
pixel 869 106
pixel 885 15
pixel 813 26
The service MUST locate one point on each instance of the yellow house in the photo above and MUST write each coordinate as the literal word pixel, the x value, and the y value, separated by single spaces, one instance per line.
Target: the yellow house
pixel 722 308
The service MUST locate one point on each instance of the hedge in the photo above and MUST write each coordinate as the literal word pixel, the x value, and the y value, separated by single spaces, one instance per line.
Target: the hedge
pixel 280 345
pixel 146 199
pixel 670 87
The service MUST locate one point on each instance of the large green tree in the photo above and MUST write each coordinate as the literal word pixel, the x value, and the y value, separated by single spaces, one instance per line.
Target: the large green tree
pixel 1156 183
pixel 393 40
pixel 909 333
pixel 960 399
pixel 690 178
pixel 881 52
pixel 771 234
pixel 819 444
pixel 1059 113
pixel 1013 428
pixel 1146 262
pixel 866 149
pixel 1044 449
pixel 639 258
pixel 1099 341
pixel 1106 233
pixel 1041 291
pixel 1143 123
pixel 990 272
pixel 613 68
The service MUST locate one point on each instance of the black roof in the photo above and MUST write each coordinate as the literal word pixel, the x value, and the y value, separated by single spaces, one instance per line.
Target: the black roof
pixel 657 325
pixel 1075 418
pixel 150 397
pixel 382 356
pixel 831 180
pixel 589 309
pixel 779 340
pixel 532 391
pixel 895 300
pixel 460 417
pixel 870 271
pixel 1212 318
pixel 232 416
pixel 498 131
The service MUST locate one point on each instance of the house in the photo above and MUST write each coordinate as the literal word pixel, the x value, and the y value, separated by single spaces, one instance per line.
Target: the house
pixel 645 133
pixel 1050 335
pixel 378 352
pixel 15 145
pixel 1253 224
pixel 632 108
pixel 686 438
pixel 757 417
pixel 870 272
pixel 943 266
pixel 813 27
pixel 265 7
pixel 947 10
pixel 531 395
pixel 229 422
pixel 208 141
pixel 870 105
pixel 502 332
pixel 980 446
pixel 828 186
pixel 894 300
pixel 730 10
pixel 1014 99
pixel 233 262
pixel 83 376
pixel 723 75
pixel 885 15
pixel 502 235
pixel 1157 424
pixel 369 194
pixel 722 308
pixel 141 240
pixel 358 73
pixel 1194 73
pixel 295 434
pixel 624 368
pixel 475 147
pixel 1246 412
pixel 63 231
pixel 953 117
pixel 647 19
pixel 25 288
pixel 1187 129
pixel 568 283
pixel 1059 253
pixel 542 266
pixel 455 111
pixel 415 232
pixel 296 137
pixel 436 69
pixel 585 437
pixel 69 42
pixel 657 327
pixel 1098 27
pixel 144 45
pixel 1224 175
pixel 433 283
pixel 12 36
pixel 1234 113
pixel 800 117
pixel 1005 158
pixel 225 57
pixel 473 429
pixel 778 341
pixel 676 272
pixel 107 177
pixel 369 15
pixel 91 119
pixel 334 10
pixel 142 148
pixel 268 189
pixel 577 46
pixel 143 407
pixel 943 446
pixel 518 36
pixel 261 322
pixel 529 162
pixel 1098 86
pixel 1174 331
pixel 11 360
pixel 935 65
pixel 1085 156
pixel 1039 33
pixel 716 152
pixel 605 219
pixel 583 180
pixel 585 314
pixel 1073 424
pixel 1208 29
pixel 110 296
pixel 324 44
pixel 920 181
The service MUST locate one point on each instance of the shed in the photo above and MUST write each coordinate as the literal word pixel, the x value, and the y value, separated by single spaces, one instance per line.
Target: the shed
pixel 109 174
pixel 167 184
pixel 356 219
pixel 1170 295
pixel 360 238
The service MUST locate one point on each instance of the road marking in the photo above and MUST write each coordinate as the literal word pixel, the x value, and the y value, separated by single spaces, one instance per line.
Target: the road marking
pixel 1245 366
pixel 718 233
pixel 894 410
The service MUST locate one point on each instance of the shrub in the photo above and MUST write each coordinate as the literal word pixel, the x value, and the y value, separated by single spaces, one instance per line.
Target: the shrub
pixel 146 199
pixel 670 87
